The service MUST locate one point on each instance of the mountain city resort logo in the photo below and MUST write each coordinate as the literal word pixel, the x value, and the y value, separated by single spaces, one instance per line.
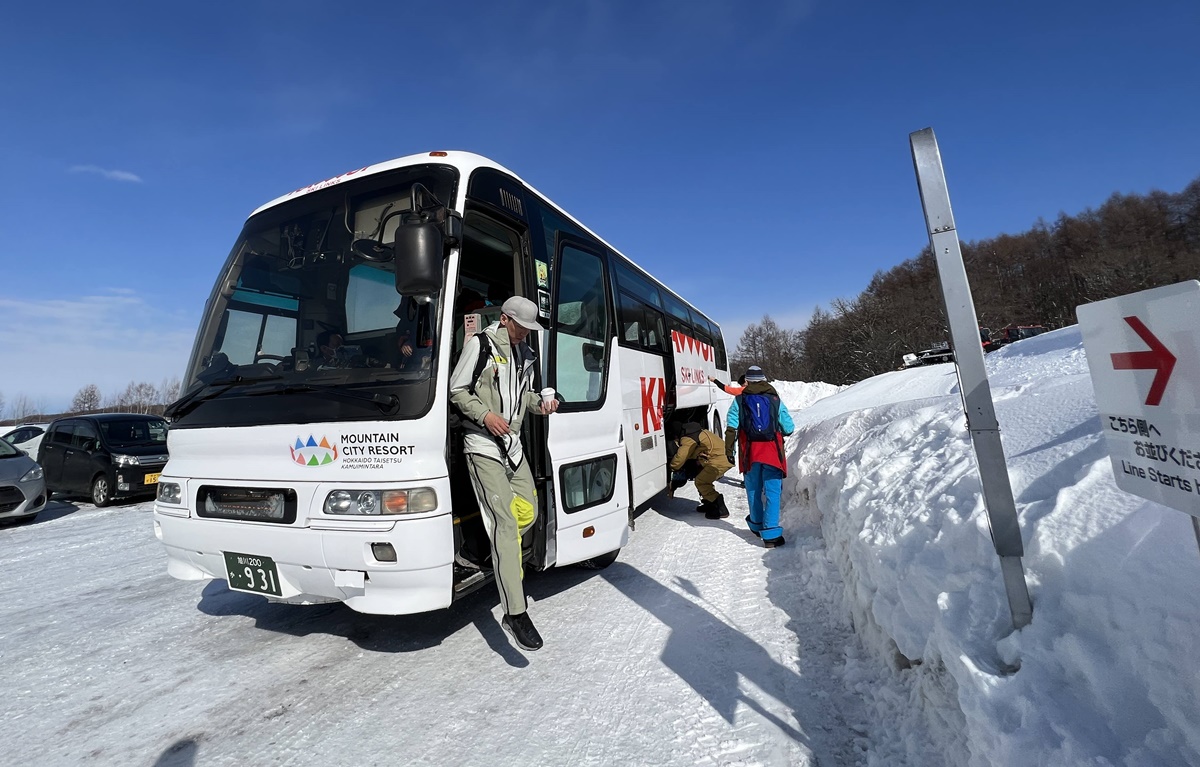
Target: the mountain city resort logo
pixel 313 453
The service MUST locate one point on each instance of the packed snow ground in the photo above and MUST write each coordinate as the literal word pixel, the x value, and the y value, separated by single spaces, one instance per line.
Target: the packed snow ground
pixel 879 635
pixel 696 647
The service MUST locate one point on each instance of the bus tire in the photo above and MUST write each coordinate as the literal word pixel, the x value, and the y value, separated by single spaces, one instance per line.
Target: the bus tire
pixel 600 562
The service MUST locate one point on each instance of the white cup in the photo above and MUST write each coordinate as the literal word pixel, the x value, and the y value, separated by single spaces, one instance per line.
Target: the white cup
pixel 548 394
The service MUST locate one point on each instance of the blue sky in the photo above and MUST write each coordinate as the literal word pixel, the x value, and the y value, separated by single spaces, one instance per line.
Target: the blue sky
pixel 753 155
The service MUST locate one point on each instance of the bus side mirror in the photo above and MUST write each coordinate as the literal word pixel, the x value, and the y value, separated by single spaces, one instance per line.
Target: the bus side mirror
pixel 424 233
pixel 419 248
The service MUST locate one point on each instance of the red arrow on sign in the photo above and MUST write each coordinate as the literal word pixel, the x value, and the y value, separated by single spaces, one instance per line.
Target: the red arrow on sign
pixel 1158 359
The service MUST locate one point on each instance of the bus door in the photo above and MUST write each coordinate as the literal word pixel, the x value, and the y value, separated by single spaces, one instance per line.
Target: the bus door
pixel 491 269
pixel 585 439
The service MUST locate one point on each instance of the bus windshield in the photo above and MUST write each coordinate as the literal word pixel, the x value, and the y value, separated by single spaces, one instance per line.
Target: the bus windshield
pixel 305 323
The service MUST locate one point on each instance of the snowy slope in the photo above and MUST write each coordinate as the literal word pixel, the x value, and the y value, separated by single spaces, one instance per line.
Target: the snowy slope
pixel 1107 671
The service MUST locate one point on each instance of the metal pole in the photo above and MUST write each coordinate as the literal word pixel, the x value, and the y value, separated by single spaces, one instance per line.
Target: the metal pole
pixel 972 376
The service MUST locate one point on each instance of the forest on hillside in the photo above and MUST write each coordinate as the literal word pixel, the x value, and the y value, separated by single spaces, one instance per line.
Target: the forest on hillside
pixel 1039 277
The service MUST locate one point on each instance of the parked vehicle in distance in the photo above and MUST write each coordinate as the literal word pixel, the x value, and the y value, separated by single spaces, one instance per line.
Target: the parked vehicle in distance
pixel 941 352
pixel 22 486
pixel 26 437
pixel 985 340
pixel 106 456
pixel 1012 333
pixel 936 354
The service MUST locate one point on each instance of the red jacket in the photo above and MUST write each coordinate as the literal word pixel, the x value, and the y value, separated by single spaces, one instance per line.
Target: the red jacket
pixel 750 453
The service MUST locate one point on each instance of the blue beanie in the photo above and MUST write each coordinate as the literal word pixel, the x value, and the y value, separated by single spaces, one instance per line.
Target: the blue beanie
pixel 755 373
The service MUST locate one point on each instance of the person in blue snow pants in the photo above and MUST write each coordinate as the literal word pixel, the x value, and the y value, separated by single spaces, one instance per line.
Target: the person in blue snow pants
pixel 756 424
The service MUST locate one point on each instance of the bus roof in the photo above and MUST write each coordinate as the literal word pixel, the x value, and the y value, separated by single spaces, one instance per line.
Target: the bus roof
pixel 466 162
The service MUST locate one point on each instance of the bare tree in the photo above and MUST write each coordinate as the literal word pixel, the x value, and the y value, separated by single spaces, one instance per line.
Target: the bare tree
pixel 771 347
pixel 169 390
pixel 140 397
pixel 23 407
pixel 87 399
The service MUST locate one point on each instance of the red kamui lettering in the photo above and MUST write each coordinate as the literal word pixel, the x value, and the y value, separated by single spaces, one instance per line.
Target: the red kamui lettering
pixel 654 391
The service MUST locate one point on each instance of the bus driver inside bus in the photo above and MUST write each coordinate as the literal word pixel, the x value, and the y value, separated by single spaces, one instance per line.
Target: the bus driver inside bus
pixel 494 402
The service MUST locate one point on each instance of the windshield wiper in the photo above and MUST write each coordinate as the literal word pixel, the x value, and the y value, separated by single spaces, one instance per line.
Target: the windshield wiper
pixel 388 404
pixel 186 405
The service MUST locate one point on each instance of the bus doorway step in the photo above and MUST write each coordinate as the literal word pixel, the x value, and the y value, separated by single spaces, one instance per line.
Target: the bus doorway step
pixel 465 581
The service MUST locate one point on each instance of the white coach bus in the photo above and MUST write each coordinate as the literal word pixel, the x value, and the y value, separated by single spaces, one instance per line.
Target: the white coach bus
pixel 313 454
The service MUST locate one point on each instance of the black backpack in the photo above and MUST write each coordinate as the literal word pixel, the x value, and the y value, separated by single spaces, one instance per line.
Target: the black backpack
pixel 485 353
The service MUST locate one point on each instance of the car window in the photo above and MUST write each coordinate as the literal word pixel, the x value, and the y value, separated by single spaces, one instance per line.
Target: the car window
pixel 85 437
pixel 62 434
pixel 134 433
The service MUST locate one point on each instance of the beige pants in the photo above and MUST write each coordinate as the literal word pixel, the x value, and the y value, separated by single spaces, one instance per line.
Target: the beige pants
pixel 707 476
pixel 508 505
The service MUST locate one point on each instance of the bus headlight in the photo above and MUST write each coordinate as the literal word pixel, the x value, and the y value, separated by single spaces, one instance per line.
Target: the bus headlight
pixel 169 492
pixel 380 502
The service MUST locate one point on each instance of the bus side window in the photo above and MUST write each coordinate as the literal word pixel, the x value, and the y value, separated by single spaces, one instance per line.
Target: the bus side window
pixel 580 342
pixel 631 318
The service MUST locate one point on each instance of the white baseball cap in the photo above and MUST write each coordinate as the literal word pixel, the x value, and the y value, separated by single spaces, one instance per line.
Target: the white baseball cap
pixel 523 311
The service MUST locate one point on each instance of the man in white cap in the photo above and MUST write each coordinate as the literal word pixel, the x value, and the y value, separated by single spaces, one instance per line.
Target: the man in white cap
pixel 493 404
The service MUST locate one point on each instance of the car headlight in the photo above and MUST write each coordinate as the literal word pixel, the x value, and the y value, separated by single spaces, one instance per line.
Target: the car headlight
pixel 381 502
pixel 33 474
pixel 125 460
pixel 169 492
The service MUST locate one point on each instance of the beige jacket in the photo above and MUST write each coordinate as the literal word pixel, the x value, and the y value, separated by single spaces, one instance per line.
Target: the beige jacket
pixel 706 447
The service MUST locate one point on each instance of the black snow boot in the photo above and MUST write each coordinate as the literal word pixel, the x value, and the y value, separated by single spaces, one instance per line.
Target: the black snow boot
pixel 704 507
pixel 717 509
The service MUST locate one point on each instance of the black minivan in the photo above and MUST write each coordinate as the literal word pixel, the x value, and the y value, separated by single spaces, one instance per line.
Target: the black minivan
pixel 105 455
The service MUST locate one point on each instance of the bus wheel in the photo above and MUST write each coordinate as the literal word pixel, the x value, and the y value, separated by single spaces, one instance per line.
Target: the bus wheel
pixel 600 562
pixel 101 493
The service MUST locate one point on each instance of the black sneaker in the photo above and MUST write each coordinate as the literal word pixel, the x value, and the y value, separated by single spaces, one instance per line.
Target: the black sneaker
pixel 522 630
pixel 773 543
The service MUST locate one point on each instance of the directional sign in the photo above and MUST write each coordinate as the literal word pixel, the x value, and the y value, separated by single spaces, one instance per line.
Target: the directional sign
pixel 1143 351
pixel 1159 359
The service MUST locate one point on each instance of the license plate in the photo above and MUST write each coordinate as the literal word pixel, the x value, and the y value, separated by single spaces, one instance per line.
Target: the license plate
pixel 252 572
pixel 152 479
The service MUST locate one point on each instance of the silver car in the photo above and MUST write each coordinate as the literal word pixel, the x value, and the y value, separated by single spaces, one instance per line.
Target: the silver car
pixel 22 485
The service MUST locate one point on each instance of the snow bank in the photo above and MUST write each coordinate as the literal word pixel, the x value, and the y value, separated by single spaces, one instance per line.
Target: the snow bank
pixel 1106 673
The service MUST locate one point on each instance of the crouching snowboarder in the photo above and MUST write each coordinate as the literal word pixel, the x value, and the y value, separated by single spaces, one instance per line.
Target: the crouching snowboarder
pixel 707 449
